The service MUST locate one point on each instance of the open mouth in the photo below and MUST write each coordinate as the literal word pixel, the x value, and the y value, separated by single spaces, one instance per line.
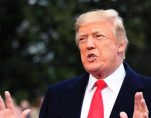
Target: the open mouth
pixel 91 57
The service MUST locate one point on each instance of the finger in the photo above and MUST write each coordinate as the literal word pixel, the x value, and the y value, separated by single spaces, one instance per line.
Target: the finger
pixel 9 101
pixel 2 105
pixel 25 113
pixel 140 105
pixel 144 106
pixel 145 115
pixel 123 115
pixel 140 98
pixel 136 101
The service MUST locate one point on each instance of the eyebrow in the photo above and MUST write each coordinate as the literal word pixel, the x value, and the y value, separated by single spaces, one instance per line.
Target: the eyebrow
pixel 81 34
pixel 95 31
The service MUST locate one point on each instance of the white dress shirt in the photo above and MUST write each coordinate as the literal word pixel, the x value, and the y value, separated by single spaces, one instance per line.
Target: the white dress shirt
pixel 109 94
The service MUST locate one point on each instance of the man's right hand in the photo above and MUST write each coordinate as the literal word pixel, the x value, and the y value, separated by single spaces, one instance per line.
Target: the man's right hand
pixel 8 110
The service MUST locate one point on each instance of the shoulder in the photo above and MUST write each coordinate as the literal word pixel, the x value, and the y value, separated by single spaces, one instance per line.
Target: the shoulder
pixel 69 83
pixel 136 78
pixel 145 80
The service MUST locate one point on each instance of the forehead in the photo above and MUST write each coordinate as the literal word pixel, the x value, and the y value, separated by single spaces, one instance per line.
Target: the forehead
pixel 103 26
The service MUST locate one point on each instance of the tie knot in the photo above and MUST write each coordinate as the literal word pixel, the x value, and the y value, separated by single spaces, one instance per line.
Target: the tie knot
pixel 100 84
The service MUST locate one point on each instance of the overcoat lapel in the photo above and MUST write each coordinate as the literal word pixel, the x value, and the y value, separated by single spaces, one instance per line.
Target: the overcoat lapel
pixel 73 97
pixel 125 98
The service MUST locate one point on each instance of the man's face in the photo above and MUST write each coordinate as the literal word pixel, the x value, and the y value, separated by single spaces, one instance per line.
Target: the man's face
pixel 100 51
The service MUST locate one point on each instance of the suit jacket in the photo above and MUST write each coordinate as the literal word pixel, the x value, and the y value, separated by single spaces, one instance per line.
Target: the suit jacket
pixel 64 99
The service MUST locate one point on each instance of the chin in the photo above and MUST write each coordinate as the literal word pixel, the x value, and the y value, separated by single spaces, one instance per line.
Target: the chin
pixel 91 69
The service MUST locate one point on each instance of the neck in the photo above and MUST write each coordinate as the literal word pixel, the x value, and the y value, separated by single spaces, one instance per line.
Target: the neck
pixel 106 72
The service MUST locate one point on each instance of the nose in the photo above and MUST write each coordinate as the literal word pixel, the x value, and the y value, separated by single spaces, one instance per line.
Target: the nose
pixel 90 43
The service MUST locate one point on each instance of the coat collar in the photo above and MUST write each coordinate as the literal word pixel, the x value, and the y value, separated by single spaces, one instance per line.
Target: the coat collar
pixel 124 102
pixel 73 97
pixel 125 98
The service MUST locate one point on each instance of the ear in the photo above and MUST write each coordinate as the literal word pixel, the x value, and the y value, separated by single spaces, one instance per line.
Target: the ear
pixel 122 46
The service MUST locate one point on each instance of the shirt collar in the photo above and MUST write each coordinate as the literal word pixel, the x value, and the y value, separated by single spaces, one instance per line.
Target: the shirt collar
pixel 113 81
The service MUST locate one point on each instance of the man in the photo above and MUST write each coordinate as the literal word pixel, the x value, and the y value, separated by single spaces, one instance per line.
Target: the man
pixel 102 41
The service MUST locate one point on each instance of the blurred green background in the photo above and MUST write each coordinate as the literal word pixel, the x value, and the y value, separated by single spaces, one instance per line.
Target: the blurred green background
pixel 37 41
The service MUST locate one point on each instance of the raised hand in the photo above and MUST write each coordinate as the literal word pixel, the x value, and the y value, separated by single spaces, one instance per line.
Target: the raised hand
pixel 8 110
pixel 140 107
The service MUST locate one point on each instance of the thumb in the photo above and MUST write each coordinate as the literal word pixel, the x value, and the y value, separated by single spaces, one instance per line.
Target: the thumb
pixel 25 113
pixel 123 115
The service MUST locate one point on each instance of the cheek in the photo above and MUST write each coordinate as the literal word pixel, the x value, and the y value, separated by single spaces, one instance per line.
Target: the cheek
pixel 108 51
pixel 82 53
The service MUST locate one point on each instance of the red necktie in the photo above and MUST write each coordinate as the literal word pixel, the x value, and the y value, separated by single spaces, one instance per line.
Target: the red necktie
pixel 96 109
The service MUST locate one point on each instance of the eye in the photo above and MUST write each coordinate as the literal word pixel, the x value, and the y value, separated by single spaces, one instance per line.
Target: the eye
pixel 82 39
pixel 99 36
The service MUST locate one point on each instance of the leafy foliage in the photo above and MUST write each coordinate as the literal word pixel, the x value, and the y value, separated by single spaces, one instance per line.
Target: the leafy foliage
pixel 38 41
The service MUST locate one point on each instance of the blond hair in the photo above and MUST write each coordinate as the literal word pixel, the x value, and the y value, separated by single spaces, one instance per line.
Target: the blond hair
pixel 103 15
